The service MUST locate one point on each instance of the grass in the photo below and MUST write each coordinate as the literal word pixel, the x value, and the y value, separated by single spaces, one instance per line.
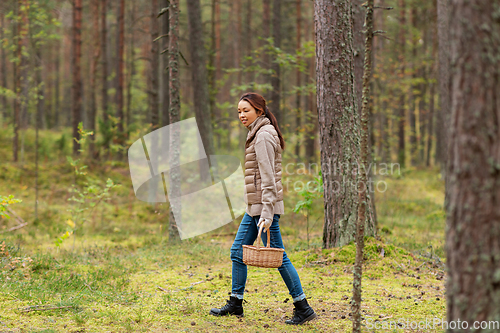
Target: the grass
pixel 122 276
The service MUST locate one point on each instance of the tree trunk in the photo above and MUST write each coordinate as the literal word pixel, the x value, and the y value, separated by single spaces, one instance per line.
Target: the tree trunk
pixel 430 124
pixel 422 115
pixel 17 83
pixel 359 14
pixel 298 111
pixel 211 64
pixel 154 66
pixel 93 74
pixel 311 112
pixel 175 107
pixel 104 57
pixel 24 72
pixel 217 75
pixel 165 101
pixel 4 68
pixel 266 33
pixel 131 67
pixel 57 87
pixel 473 166
pixel 275 101
pixel 358 38
pixel 40 105
pixel 365 153
pixel 402 116
pixel 432 93
pixel 77 80
pixel 199 76
pixel 338 121
pixel 442 122
pixel 119 71
pixel 414 94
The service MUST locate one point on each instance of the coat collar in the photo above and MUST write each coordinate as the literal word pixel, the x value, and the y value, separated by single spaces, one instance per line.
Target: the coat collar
pixel 255 126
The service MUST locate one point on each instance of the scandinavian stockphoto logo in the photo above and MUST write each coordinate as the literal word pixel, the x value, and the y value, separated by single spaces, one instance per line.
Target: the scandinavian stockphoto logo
pixel 170 165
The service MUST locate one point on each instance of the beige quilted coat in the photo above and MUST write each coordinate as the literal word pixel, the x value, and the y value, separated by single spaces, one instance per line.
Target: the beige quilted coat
pixel 263 186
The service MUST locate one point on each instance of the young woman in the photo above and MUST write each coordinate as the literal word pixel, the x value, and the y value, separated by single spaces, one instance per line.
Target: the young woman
pixel 264 199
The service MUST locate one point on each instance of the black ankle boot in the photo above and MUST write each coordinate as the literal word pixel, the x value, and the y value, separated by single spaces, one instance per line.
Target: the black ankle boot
pixel 234 306
pixel 301 313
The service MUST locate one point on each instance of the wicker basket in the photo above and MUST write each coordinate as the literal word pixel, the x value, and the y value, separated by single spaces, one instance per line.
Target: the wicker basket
pixel 267 257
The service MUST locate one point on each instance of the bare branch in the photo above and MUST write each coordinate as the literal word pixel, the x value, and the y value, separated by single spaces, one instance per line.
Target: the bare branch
pixel 163 11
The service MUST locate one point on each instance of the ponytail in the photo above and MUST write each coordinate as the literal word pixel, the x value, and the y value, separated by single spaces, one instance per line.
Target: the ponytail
pixel 274 122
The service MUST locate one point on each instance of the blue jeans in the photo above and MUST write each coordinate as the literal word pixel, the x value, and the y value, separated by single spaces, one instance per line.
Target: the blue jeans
pixel 246 235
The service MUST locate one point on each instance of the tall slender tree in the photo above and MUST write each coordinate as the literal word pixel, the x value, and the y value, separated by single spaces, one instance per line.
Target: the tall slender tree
pixel 298 98
pixel 363 205
pixel 104 69
pixel 120 70
pixel 402 97
pixel 165 96
pixel 77 79
pixel 199 76
pixel 443 21
pixel 275 100
pixel 17 80
pixel 266 33
pixel 154 65
pixel 175 108
pixel 93 75
pixel 414 93
pixel 3 63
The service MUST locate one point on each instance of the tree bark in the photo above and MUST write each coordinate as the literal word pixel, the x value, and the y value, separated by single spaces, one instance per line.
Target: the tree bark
pixel 4 68
pixel 338 121
pixel 211 64
pixel 131 66
pixel 104 62
pixel 218 71
pixel 165 101
pixel 17 83
pixel 442 120
pixel 473 166
pixel 266 33
pixel 93 74
pixel 77 80
pixel 57 87
pixel 199 76
pixel 175 107
pixel 365 153
pixel 310 113
pixel 298 98
pixel 274 103
pixel 414 93
pixel 359 40
pixel 402 116
pixel 119 70
pixel 154 65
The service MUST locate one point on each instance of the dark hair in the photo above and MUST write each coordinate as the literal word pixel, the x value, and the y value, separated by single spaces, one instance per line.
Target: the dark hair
pixel 259 104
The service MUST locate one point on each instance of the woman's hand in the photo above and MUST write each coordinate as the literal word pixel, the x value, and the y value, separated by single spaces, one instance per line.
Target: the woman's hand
pixel 266 223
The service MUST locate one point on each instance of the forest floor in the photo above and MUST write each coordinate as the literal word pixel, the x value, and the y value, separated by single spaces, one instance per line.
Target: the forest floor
pixel 120 275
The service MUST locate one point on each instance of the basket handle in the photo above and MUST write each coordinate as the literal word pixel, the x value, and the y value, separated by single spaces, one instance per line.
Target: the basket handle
pixel 268 237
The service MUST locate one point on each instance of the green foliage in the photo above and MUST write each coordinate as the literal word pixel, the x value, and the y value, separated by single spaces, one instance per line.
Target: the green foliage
pixel 4 203
pixel 305 205
pixel 87 193
pixel 40 28
pixel 287 61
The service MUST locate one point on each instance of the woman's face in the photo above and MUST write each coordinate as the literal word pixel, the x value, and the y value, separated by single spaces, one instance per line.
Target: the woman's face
pixel 247 113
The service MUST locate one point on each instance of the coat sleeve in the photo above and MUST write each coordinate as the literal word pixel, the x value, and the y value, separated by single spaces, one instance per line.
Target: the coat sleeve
pixel 265 147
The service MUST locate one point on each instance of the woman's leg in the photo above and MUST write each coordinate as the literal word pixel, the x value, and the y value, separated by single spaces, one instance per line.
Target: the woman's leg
pixel 287 270
pixel 246 235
